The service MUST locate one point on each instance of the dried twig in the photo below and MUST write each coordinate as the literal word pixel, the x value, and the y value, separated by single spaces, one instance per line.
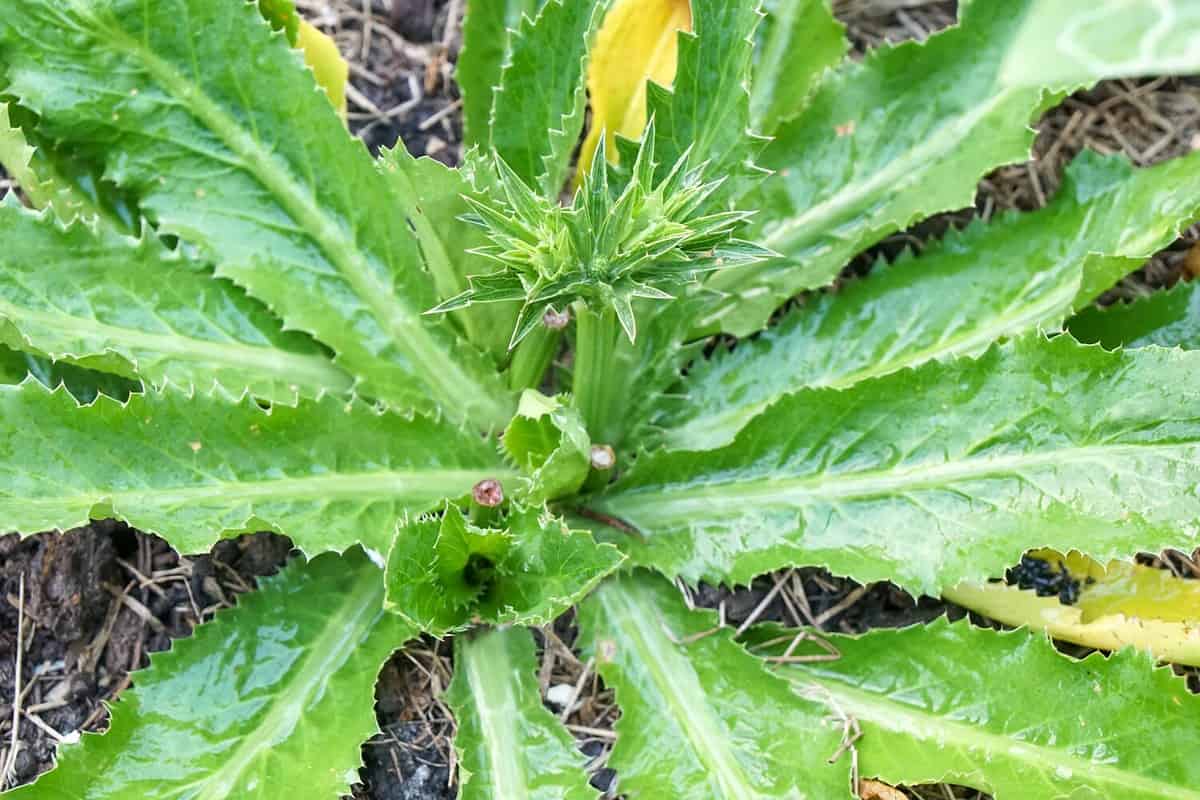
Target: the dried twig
pixel 14 745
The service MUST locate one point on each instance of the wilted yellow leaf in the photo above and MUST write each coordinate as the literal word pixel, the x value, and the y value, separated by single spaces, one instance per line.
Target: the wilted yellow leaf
pixel 331 70
pixel 1119 605
pixel 638 41
pixel 1122 587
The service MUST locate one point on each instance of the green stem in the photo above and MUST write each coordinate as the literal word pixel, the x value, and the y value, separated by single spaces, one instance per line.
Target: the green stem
pixel 597 395
pixel 533 358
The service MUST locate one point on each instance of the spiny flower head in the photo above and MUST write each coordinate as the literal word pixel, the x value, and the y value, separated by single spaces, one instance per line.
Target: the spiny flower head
pixel 610 246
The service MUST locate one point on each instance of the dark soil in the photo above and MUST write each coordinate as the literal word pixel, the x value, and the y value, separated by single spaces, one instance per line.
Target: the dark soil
pixel 98 599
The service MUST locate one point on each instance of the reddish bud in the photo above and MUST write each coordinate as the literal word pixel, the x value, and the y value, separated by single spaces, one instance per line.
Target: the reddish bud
pixel 488 493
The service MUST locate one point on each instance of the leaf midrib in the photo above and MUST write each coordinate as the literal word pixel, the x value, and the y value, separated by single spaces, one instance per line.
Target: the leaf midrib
pixel 701 499
pixel 496 706
pixel 898 172
pixel 286 368
pixel 336 644
pixel 902 718
pixel 379 485
pixel 1019 317
pixel 638 619
pixel 453 388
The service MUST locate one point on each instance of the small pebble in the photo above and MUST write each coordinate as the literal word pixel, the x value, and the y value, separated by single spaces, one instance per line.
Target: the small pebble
pixel 560 694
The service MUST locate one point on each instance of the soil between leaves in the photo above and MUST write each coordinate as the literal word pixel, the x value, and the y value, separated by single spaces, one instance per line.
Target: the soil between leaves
pixel 98 599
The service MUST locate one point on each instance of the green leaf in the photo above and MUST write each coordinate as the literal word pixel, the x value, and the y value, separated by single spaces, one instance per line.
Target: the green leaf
pixel 936 475
pixel 282 16
pixel 706 112
pixel 445 572
pixel 700 717
pixel 1169 318
pixel 97 298
pixel 485 49
pixel 274 698
pixel 904 134
pixel 509 745
pixel 432 197
pixel 17 158
pixel 537 111
pixel 548 569
pixel 1007 714
pixel 49 179
pixel 1070 42
pixel 327 473
pixel 437 569
pixel 796 42
pixel 548 441
pixel 1014 274
pixel 256 169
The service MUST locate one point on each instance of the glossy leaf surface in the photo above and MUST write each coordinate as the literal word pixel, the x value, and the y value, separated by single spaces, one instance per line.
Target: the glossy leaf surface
pixel 328 473
pixel 796 42
pixel 1014 274
pixel 526 569
pixel 538 106
pixel 508 744
pixel 83 384
pixel 1006 713
pixel 97 298
pixel 485 47
pixel 1078 41
pixel 273 698
pixel 906 133
pixel 547 440
pixel 701 719
pixel 937 475
pixel 707 109
pixel 261 169
pixel 27 165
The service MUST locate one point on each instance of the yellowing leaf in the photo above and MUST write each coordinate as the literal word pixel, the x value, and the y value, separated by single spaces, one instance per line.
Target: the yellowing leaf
pixel 1119 605
pixel 1130 589
pixel 637 42
pixel 321 54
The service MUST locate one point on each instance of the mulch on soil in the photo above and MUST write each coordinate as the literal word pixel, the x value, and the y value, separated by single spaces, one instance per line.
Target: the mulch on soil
pixel 99 599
